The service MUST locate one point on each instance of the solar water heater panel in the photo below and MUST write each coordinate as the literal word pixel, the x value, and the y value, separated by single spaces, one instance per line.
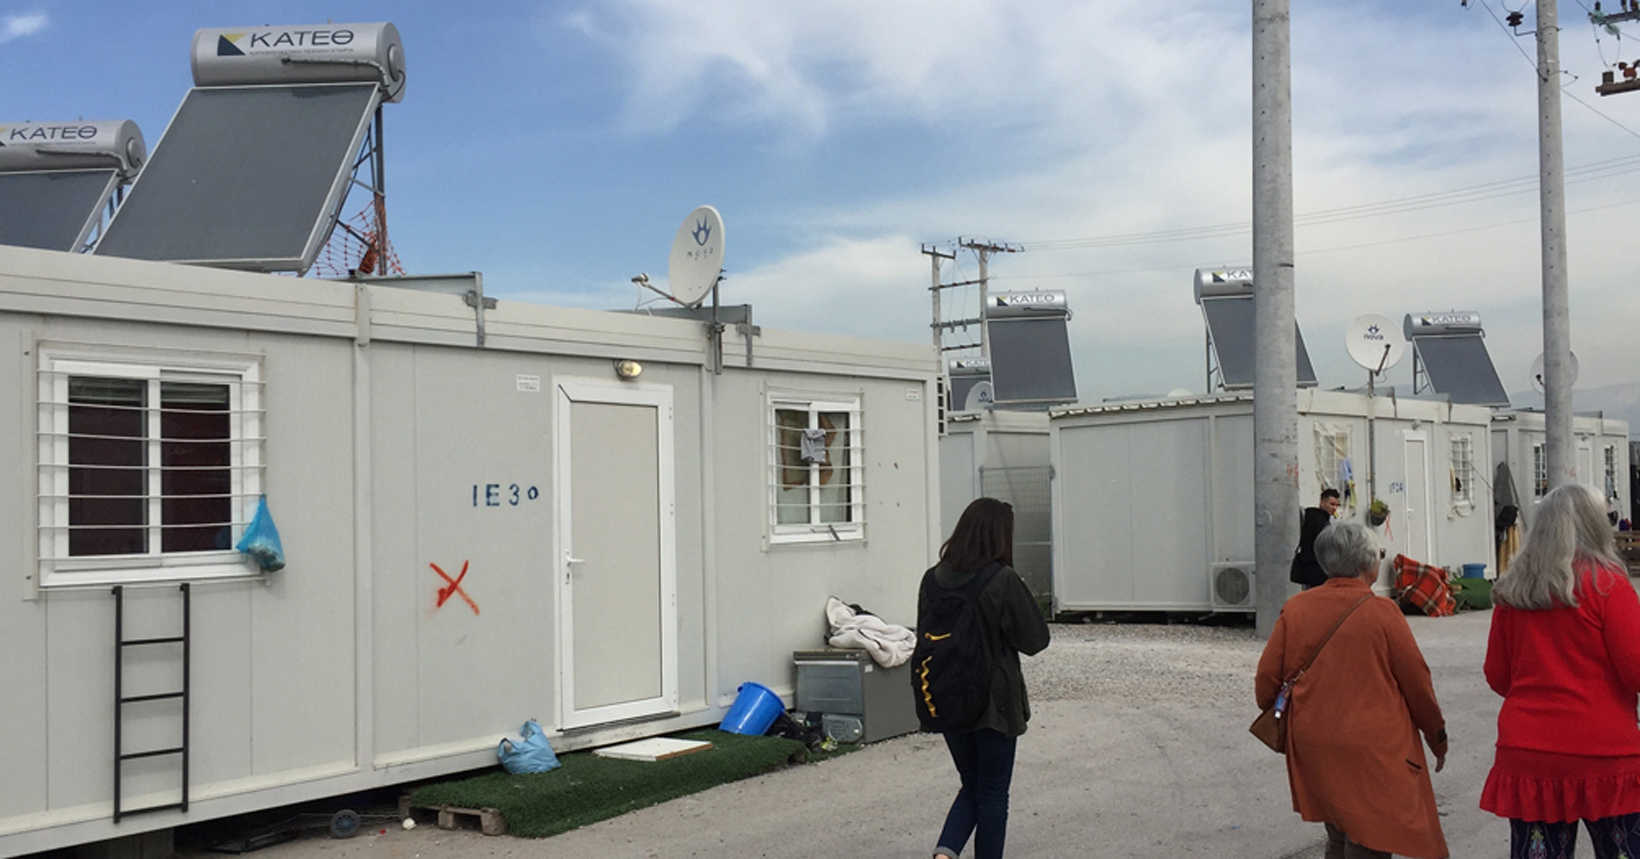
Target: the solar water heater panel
pixel 245 177
pixel 1461 368
pixel 1230 324
pixel 52 210
pixel 1031 361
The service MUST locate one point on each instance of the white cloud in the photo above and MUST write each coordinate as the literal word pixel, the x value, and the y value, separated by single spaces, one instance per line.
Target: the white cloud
pixel 800 68
pixel 1109 119
pixel 18 26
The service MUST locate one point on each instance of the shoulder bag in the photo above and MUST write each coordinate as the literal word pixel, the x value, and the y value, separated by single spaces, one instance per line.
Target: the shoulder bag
pixel 1271 725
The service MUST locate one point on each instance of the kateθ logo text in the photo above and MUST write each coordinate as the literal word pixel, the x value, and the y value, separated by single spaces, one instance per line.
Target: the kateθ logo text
pixel 46 133
pixel 240 44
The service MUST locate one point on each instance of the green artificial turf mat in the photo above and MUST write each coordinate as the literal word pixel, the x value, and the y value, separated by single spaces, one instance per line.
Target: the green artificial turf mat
pixel 587 788
pixel 1471 593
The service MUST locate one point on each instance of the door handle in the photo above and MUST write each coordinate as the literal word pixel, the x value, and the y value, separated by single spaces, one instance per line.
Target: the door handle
pixel 570 561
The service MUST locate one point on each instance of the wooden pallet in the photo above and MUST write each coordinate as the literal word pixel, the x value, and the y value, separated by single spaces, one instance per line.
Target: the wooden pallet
pixel 489 820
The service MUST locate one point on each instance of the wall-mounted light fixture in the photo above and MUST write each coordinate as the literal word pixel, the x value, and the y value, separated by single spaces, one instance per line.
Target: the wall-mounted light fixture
pixel 628 370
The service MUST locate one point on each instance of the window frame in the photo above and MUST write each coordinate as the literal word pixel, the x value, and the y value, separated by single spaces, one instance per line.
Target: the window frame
pixel 55 567
pixel 1540 471
pixel 1462 469
pixel 815 530
pixel 1609 471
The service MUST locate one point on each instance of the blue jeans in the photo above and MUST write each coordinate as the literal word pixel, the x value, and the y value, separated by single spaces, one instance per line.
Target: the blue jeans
pixel 985 761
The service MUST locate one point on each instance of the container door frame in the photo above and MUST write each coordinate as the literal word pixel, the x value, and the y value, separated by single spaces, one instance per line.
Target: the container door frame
pixel 567 393
pixel 1425 474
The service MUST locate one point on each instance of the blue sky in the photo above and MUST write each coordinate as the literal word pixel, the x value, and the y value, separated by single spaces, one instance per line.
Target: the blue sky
pixel 555 146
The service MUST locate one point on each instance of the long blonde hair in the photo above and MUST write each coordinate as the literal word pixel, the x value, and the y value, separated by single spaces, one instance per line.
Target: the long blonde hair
pixel 1570 525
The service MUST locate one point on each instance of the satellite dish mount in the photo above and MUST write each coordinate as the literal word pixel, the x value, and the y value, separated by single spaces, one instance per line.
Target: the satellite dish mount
pixel 1376 343
pixel 694 269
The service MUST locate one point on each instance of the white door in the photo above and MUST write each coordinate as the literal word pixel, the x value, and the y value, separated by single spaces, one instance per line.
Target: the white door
pixel 1417 522
pixel 616 575
pixel 1585 467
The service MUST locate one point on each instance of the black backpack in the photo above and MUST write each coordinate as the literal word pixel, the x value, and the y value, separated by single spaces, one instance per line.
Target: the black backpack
pixel 951 665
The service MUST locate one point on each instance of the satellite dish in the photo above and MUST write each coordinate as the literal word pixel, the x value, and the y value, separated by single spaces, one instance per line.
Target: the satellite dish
pixel 1537 372
pixel 1375 342
pixel 697 257
pixel 980 397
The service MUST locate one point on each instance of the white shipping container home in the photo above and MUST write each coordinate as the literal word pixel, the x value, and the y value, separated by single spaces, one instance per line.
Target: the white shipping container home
pixel 474 535
pixel 1520 439
pixel 1153 499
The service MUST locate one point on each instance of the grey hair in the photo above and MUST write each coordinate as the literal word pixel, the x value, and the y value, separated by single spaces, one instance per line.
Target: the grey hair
pixel 1346 549
pixel 1569 525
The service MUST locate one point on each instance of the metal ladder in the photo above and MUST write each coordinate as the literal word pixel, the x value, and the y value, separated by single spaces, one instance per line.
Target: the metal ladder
pixel 121 699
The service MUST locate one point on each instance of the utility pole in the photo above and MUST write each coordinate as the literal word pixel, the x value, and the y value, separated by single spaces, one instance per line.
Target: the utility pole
pixel 1557 328
pixel 934 256
pixel 1275 361
pixel 984 249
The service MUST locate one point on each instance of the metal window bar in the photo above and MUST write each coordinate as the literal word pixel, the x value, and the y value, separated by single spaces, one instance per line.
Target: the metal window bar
pixel 184 695
pixel 851 450
pixel 245 472
pixel 55 434
pixel 1463 470
pixel 1029 489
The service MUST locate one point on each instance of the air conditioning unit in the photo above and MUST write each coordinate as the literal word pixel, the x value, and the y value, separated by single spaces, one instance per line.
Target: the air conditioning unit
pixel 1230 586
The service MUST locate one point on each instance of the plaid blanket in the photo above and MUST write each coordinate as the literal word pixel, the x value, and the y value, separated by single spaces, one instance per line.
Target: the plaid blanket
pixel 1424 587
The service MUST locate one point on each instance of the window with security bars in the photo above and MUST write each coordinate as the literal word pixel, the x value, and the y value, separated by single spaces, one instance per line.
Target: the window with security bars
pixel 816 471
pixel 148 470
pixel 1463 471
pixel 1332 451
pixel 1611 473
pixel 1540 471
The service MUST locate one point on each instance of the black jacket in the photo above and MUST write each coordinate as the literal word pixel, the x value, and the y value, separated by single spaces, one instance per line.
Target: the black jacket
pixel 1014 625
pixel 1306 569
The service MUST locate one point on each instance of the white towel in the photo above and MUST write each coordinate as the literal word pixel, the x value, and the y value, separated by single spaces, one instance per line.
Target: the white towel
pixel 889 644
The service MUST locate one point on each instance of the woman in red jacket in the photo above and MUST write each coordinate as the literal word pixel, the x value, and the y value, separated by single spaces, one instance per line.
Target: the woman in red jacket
pixel 1565 656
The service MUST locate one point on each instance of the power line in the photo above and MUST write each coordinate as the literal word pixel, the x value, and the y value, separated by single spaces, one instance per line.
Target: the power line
pixel 1308 252
pixel 1453 197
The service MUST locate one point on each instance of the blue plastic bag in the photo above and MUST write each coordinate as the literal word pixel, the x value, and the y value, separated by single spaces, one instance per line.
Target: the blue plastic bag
pixel 261 540
pixel 533 754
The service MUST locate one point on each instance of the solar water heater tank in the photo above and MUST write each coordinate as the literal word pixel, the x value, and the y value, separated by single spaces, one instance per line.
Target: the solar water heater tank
pixel 79 145
pixel 326 53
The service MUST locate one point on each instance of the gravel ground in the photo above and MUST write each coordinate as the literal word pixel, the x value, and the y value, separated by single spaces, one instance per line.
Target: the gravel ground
pixel 1151 663
pixel 1137 748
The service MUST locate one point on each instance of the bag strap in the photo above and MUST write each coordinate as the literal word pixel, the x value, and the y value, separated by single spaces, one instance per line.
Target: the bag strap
pixel 982 579
pixel 1327 638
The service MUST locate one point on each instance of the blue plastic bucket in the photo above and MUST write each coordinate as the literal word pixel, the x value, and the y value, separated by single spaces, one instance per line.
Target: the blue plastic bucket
pixel 755 709
pixel 1474 571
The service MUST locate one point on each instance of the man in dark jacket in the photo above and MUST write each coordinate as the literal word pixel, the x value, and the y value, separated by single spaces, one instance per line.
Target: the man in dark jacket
pixel 1306 569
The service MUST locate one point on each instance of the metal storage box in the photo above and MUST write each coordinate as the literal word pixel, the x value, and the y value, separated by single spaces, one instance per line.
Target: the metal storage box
pixel 850 683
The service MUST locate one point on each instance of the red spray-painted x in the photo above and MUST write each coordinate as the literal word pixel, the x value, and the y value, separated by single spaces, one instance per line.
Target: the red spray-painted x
pixel 454 588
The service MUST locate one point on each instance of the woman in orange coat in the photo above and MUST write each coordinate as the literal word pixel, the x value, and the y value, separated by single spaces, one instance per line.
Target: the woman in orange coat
pixel 1354 759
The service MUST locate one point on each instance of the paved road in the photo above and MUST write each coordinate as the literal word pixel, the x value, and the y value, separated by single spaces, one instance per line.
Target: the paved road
pixel 1147 758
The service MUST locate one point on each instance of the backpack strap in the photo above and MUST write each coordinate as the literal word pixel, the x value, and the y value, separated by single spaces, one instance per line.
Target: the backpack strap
pixel 982 579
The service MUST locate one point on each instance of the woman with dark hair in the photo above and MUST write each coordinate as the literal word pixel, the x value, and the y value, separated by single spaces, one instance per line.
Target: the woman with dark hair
pixel 975 578
pixel 1565 656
